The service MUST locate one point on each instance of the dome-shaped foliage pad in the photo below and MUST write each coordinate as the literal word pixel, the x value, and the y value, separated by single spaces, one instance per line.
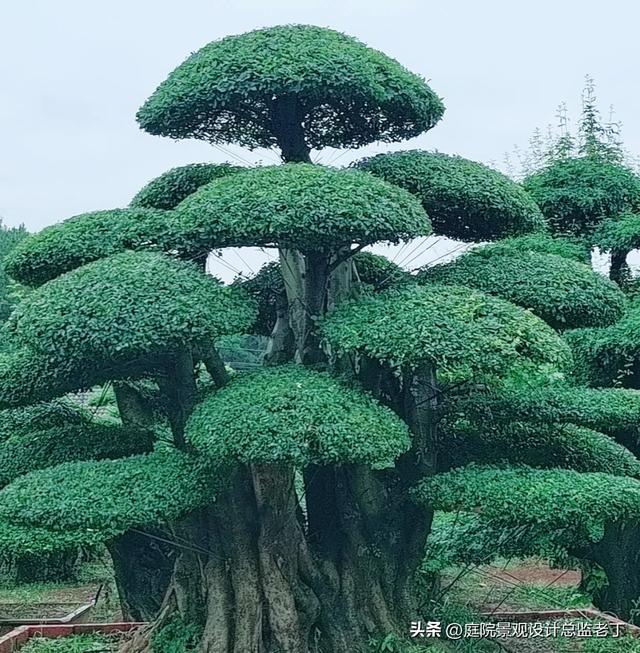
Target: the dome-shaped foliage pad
pixel 564 293
pixel 298 205
pixel 43 448
pixel 464 199
pixel 85 238
pixel 171 187
pixel 378 272
pixel 109 496
pixel 565 446
pixel 576 194
pixel 295 415
pixel 544 243
pixel 18 541
pixel 621 233
pixel 43 416
pixel 27 377
pixel 343 93
pixel 128 306
pixel 461 331
pixel 604 409
pixel 574 506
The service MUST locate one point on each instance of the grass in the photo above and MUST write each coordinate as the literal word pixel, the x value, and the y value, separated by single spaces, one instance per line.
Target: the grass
pixel 73 644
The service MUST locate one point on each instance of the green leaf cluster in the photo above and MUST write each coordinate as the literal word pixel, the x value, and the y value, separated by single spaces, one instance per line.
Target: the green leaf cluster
pixel 620 233
pixel 298 205
pixel 85 238
pixel 340 92
pixel 564 293
pixel 610 355
pixel 461 331
pixel 46 447
pixel 575 505
pixel 295 415
pixel 98 500
pixel 543 445
pixel 378 272
pixel 546 243
pixel 133 305
pixel 465 200
pixel 170 188
pixel 576 194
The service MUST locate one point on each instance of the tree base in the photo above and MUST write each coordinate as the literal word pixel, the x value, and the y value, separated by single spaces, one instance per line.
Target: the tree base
pixel 268 584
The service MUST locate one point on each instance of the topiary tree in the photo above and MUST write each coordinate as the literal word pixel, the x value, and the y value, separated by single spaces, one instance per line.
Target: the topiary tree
pixel 577 194
pixel 285 494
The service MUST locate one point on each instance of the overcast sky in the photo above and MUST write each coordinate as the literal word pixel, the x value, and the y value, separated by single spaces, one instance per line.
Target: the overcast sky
pixel 74 72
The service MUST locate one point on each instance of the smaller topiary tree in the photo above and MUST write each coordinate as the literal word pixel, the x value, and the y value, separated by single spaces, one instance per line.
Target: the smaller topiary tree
pixel 465 200
pixel 577 194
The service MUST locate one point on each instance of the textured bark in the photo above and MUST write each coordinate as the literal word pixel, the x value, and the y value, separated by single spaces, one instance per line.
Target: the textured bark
pixel 178 385
pixel 618 554
pixel 619 269
pixel 142 568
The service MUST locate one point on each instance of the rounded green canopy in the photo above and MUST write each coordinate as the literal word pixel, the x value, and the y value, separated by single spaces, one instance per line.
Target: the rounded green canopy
pixel 621 233
pixel 575 506
pixel 542 242
pixel 564 293
pixel 565 446
pixel 133 306
pixel 47 447
pixel 295 415
pixel 171 187
pixel 464 199
pixel 576 194
pixel 83 239
pixel 461 331
pixel 245 89
pixel 108 497
pixel 298 205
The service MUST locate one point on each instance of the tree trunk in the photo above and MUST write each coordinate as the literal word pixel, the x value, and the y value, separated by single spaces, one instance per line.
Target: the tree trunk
pixel 618 553
pixel 142 568
pixel 619 270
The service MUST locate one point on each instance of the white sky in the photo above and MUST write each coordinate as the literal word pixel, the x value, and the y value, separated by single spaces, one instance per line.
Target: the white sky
pixel 74 72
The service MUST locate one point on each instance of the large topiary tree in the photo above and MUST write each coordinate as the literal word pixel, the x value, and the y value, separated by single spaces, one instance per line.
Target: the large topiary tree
pixel 287 494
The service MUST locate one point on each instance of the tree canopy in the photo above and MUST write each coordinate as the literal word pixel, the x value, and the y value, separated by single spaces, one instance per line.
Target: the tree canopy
pixel 572 506
pixel 290 414
pixel 171 187
pixel 461 331
pixel 576 194
pixel 465 200
pixel 563 292
pixel 621 233
pixel 175 306
pixel 247 89
pixel 299 205
pixel 108 496
pixel 83 239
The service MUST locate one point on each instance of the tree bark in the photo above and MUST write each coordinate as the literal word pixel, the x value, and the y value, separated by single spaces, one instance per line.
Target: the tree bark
pixel 142 568
pixel 618 553
pixel 619 270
